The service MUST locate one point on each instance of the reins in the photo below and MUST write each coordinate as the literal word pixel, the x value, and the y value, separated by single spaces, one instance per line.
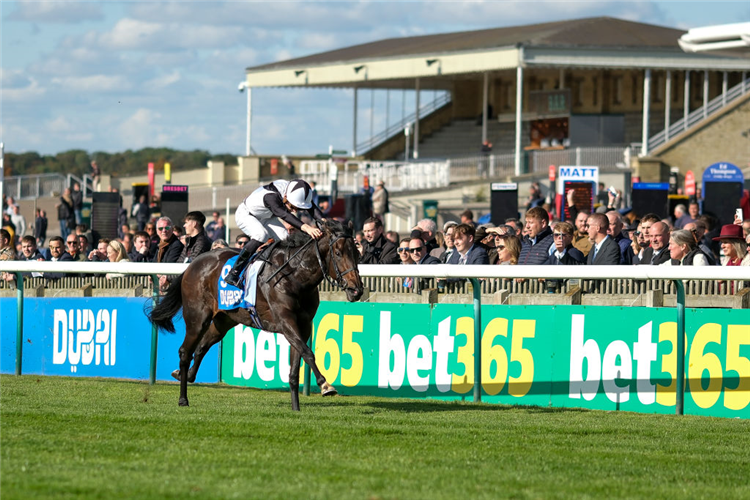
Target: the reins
pixel 338 282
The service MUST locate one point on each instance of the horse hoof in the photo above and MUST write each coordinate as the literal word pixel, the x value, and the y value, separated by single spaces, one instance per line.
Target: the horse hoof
pixel 328 390
pixel 184 402
pixel 176 374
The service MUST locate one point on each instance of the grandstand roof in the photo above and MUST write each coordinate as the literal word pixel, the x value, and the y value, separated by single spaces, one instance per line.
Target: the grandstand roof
pixel 588 32
pixel 600 42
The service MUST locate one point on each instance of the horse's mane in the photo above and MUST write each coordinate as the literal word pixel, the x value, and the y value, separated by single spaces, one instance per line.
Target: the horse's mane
pixel 298 238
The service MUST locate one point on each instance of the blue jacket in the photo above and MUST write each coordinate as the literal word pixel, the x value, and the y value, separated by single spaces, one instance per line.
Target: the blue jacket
pixel 476 255
pixel 539 253
pixel 626 251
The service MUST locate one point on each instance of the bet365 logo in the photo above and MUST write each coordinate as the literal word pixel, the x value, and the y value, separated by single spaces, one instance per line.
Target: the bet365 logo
pixel 83 337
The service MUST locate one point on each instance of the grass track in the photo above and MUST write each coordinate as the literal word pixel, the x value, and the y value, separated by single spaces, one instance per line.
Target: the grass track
pixel 95 438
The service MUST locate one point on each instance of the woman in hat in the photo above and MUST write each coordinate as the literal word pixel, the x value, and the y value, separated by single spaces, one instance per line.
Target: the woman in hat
pixel 733 246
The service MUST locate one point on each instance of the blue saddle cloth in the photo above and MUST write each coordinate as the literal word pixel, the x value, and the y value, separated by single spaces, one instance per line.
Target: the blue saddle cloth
pixel 231 297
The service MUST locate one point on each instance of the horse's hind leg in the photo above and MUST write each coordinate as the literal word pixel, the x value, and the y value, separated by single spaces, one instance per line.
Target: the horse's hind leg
pixel 196 324
pixel 218 329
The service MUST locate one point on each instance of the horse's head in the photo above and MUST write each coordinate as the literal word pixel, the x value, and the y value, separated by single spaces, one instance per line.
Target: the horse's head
pixel 342 263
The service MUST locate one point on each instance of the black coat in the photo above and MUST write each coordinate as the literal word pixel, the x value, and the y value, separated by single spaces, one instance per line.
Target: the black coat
pixel 381 251
pixel 660 259
pixel 572 257
pixel 172 252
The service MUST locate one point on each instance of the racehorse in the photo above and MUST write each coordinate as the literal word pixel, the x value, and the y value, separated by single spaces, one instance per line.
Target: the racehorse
pixel 287 299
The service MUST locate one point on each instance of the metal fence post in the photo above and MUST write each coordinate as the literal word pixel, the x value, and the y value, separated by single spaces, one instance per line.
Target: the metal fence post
pixel 19 323
pixel 477 339
pixel 680 403
pixel 154 333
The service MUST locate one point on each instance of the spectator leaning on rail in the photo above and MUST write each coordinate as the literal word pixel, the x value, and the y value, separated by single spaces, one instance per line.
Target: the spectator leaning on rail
pixel 57 254
pixel 116 253
pixel 450 247
pixel 140 251
pixel 615 231
pixel 565 253
pixel 508 249
pixel 418 252
pixel 99 254
pixel 535 248
pixel 605 251
pixel 6 253
pixel 377 249
pixel 697 230
pixel 170 247
pixel 73 248
pixel 466 251
pixel 196 243
pixel 733 246
pixel 657 253
pixel 684 251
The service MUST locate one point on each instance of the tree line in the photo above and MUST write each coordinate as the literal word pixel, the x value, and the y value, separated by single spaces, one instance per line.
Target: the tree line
pixel 78 161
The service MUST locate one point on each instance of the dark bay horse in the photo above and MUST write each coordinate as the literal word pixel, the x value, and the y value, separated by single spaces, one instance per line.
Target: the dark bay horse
pixel 286 301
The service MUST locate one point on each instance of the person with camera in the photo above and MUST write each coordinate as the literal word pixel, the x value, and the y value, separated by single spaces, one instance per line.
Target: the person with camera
pixel 376 249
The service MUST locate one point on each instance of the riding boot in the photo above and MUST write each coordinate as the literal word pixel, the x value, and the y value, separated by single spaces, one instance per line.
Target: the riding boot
pixel 233 277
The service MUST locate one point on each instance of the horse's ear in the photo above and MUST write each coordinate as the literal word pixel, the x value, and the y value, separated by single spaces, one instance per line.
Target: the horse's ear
pixel 350 225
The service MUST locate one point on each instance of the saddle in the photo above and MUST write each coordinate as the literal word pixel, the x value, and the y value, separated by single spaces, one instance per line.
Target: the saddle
pixel 231 297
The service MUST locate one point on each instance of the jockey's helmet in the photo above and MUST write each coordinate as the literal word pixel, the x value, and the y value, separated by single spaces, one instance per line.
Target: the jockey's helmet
pixel 299 194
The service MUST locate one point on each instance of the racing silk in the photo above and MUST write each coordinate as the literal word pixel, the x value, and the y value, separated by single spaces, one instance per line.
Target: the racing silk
pixel 267 202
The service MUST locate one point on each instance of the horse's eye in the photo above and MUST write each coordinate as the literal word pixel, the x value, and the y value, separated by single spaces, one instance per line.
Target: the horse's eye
pixel 338 254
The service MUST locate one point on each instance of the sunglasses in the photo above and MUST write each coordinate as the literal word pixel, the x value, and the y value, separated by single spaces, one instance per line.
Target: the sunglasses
pixel 402 249
pixel 165 228
pixel 500 247
pixel 413 250
pixel 71 242
pixel 559 235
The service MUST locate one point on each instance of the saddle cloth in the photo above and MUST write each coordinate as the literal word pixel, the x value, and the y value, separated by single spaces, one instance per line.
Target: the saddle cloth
pixel 231 297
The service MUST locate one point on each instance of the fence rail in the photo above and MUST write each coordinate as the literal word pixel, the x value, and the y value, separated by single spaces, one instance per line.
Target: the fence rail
pixel 23 187
pixel 377 139
pixel 699 114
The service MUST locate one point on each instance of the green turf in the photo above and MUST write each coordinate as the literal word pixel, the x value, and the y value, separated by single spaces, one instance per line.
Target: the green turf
pixel 94 438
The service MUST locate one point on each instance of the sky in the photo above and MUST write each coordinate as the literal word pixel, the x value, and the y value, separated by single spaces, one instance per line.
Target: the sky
pixel 111 76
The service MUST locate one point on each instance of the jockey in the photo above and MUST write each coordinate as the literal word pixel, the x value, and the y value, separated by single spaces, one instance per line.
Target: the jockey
pixel 258 217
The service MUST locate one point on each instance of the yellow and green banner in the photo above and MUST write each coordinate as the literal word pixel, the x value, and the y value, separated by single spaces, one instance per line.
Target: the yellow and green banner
pixel 608 358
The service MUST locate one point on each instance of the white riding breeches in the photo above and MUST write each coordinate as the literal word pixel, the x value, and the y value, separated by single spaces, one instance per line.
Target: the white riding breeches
pixel 259 230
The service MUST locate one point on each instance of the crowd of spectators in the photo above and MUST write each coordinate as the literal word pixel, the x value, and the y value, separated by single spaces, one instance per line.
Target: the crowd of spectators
pixel 600 238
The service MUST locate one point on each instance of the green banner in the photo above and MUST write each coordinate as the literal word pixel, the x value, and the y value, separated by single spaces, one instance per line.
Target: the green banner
pixel 608 358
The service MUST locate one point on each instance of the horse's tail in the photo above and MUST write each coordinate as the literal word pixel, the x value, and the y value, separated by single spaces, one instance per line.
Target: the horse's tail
pixel 169 305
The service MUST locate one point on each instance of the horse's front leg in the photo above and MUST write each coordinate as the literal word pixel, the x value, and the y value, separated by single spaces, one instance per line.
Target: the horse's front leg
pixel 294 378
pixel 185 358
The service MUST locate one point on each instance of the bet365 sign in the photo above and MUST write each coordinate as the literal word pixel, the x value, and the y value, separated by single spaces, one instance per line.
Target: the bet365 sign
pixel 593 357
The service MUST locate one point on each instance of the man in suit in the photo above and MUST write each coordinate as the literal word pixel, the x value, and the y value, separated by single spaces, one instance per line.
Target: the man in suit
pixel 418 251
pixel 615 231
pixel 565 253
pixel 466 251
pixel 57 253
pixel 658 252
pixel 604 252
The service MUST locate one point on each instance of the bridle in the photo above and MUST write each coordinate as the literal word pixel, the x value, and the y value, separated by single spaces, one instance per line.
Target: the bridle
pixel 339 282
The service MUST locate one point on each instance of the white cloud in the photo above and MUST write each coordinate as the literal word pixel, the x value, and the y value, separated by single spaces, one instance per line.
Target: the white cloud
pixel 56 12
pixel 140 129
pixel 132 34
pixel 30 92
pixel 318 41
pixel 92 83
pixel 163 81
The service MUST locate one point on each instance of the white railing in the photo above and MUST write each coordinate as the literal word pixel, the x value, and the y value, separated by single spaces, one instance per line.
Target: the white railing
pixel 433 271
pixel 607 157
pixel 699 114
pixel 375 140
pixel 397 176
pixel 22 187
